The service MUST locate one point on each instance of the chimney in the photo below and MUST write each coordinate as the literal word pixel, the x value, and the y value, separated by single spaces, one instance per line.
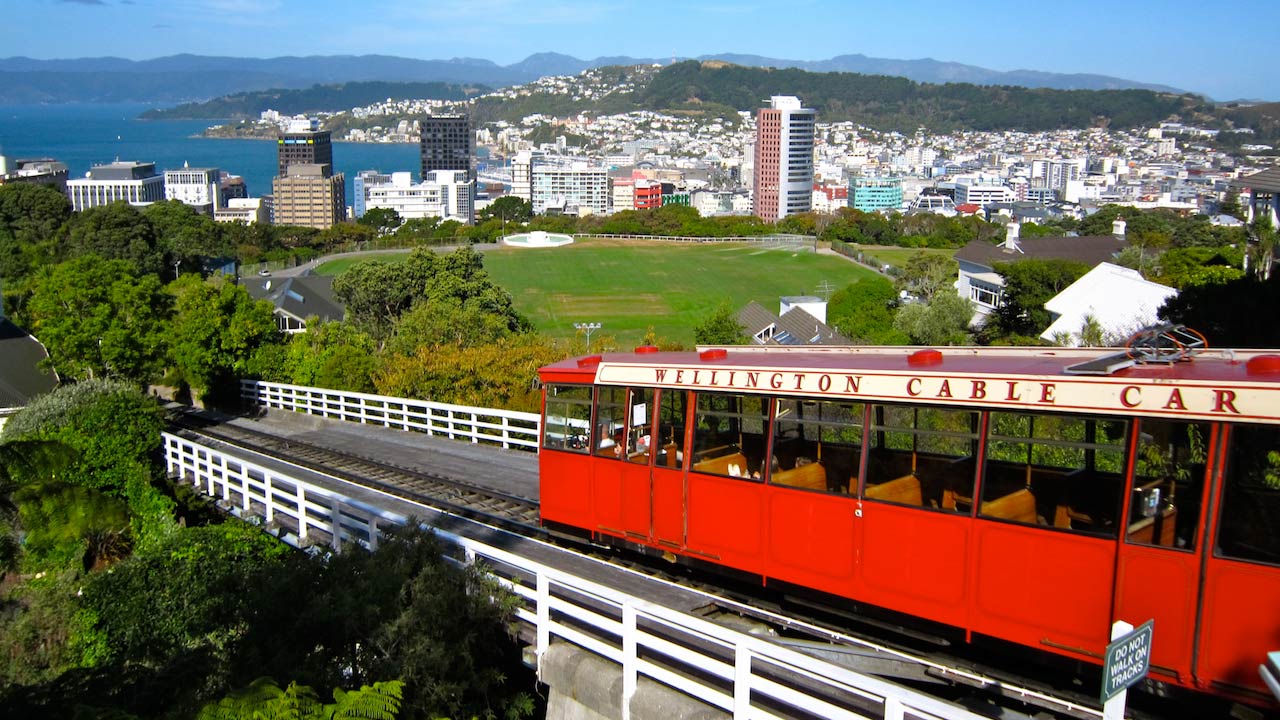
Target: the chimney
pixel 1117 227
pixel 1010 243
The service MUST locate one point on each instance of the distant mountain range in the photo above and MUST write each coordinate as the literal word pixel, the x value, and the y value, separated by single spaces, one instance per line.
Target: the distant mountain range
pixel 180 78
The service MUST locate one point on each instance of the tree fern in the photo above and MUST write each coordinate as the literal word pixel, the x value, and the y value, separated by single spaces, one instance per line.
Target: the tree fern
pixel 264 700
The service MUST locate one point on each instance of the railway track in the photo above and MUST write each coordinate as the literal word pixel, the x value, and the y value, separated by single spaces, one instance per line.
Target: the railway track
pixel 521 515
pixel 490 506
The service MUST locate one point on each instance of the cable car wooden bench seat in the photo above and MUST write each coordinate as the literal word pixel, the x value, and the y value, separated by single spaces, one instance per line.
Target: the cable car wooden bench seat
pixel 719 464
pixel 904 490
pixel 812 476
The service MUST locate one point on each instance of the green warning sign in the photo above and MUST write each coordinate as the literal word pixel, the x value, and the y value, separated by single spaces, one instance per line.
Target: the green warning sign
pixel 1128 660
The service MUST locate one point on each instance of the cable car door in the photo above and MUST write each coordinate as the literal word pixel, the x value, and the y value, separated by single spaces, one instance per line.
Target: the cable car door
pixel 1162 546
pixel 668 446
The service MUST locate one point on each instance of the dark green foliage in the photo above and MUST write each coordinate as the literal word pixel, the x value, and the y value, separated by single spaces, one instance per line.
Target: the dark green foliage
pixel 111 426
pixel 334 355
pixel 1028 285
pixel 889 103
pixel 186 236
pixel 1227 314
pixel 30 216
pixel 863 312
pixel 117 231
pixel 942 321
pixel 216 330
pixel 378 294
pixel 721 327
pixel 196 589
pixel 508 207
pixel 383 220
pixel 264 698
pixel 100 318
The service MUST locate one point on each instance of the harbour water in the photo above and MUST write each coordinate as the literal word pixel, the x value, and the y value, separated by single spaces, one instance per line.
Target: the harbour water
pixel 82 135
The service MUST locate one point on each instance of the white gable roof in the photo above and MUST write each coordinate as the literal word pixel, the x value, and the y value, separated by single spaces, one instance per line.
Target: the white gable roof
pixel 1118 298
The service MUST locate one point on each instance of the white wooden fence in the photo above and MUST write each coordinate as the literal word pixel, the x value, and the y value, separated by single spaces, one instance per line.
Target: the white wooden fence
pixel 507 428
pixel 747 677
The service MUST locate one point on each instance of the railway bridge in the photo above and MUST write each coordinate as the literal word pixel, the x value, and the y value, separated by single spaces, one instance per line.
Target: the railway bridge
pixel 327 468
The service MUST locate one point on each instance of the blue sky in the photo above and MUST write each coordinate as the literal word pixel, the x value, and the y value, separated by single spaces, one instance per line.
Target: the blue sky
pixel 1225 49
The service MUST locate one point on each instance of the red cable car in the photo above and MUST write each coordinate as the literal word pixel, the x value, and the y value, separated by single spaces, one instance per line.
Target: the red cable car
pixel 1033 495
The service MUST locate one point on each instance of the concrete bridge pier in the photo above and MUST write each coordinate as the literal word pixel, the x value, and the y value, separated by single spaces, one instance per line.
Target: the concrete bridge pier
pixel 585 686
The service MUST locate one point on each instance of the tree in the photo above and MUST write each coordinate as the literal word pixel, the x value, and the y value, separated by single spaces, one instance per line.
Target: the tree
pixel 863 312
pixel 1227 313
pixel 943 321
pixel 116 231
pixel 925 274
pixel 1230 205
pixel 110 426
pixel 187 237
pixel 30 218
pixel 384 221
pixel 514 210
pixel 336 355
pixel 1028 285
pixel 376 294
pixel 497 375
pixel 1262 247
pixel 721 327
pixel 100 318
pixel 198 588
pixel 216 330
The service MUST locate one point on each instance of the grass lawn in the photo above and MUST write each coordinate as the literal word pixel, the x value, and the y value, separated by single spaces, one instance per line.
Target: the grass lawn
pixel 628 286
pixel 898 256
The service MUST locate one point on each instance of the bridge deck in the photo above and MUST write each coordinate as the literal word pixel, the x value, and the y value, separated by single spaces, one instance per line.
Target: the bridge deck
pixel 510 471
pixel 507 470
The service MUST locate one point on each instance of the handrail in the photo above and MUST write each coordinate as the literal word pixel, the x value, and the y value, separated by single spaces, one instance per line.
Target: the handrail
pixel 506 428
pixel 744 675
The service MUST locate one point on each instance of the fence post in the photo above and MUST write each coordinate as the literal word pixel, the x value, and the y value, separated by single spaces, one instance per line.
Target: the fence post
pixel 629 660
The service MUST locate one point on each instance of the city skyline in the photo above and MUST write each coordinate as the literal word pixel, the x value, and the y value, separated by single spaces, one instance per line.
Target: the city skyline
pixel 1191 46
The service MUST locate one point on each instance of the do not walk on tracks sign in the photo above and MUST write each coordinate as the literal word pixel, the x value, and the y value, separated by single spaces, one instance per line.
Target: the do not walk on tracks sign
pixel 1128 658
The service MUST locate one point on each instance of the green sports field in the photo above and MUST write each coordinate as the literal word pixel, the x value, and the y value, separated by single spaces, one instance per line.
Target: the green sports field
pixel 628 286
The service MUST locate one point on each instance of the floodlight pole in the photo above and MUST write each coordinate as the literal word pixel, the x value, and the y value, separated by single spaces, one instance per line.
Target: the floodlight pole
pixel 588 328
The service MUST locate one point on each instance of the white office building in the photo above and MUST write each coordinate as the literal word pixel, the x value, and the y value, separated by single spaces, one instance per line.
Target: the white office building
pixel 444 194
pixel 201 188
pixel 244 210
pixel 135 183
pixel 982 190
pixel 580 188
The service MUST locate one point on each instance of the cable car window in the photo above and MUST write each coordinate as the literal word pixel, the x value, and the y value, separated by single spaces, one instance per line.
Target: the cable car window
pixel 922 456
pixel 639 422
pixel 729 434
pixel 1168 484
pixel 567 421
pixel 816 444
pixel 611 421
pixel 1059 470
pixel 671 419
pixel 1249 528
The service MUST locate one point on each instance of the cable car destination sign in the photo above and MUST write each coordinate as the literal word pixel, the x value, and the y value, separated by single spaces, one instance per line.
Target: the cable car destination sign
pixel 1128 660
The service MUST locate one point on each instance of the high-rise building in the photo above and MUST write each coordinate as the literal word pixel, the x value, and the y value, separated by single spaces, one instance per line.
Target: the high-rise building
pixel 309 196
pixel 134 182
pixel 198 187
pixel 783 158
pixel 305 143
pixel 447 144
